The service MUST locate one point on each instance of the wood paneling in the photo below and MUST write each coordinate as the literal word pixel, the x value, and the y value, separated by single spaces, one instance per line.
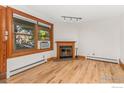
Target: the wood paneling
pixel 2 43
pixel 72 71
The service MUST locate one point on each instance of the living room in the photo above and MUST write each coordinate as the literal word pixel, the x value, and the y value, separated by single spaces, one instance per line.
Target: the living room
pixel 89 37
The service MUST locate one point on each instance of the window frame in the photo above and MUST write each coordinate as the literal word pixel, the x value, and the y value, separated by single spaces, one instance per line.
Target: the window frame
pixel 50 39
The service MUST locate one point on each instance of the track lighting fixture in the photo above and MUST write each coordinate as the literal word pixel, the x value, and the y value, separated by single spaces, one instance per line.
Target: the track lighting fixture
pixel 71 18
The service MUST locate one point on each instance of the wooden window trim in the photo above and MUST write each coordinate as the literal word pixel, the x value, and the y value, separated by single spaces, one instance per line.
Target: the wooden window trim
pixel 10 47
pixel 3 58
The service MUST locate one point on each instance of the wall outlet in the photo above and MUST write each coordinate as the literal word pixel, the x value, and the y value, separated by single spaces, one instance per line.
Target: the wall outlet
pixel 88 54
pixel 43 56
pixel 93 53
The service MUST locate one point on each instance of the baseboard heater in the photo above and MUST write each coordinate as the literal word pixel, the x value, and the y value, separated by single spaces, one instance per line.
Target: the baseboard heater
pixel 103 59
pixel 24 67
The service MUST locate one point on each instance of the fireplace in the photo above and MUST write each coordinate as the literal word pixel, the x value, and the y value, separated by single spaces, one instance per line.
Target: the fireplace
pixel 65 49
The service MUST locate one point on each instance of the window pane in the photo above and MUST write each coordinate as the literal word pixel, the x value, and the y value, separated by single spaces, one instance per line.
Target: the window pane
pixel 43 37
pixel 23 34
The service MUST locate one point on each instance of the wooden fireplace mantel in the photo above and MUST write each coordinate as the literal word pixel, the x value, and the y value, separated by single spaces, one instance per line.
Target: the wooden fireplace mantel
pixel 65 43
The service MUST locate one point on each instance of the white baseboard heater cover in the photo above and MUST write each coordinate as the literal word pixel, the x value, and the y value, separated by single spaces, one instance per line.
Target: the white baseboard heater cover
pixel 103 59
pixel 24 67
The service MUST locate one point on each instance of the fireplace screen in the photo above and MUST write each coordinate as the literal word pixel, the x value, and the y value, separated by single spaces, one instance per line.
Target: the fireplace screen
pixel 65 51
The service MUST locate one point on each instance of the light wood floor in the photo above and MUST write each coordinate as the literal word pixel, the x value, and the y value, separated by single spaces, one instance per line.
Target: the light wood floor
pixel 78 71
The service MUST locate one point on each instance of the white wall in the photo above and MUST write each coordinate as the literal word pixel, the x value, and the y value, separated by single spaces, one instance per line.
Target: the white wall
pixel 122 38
pixel 101 38
pixel 65 32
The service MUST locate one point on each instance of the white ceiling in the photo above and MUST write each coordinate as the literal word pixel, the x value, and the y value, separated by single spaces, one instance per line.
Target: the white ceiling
pixel 87 12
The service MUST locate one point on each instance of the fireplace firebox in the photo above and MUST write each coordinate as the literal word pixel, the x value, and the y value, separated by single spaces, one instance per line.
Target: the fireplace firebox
pixel 66 51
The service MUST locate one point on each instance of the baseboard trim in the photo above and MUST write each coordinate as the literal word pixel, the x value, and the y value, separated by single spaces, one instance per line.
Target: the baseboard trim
pixel 103 59
pixel 121 64
pixel 2 76
pixel 79 57
pixel 51 59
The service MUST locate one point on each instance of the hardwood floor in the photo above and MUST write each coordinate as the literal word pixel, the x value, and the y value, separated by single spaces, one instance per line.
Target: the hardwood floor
pixel 76 71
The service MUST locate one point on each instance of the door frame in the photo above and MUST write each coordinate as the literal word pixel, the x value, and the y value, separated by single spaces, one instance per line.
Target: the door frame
pixel 3 43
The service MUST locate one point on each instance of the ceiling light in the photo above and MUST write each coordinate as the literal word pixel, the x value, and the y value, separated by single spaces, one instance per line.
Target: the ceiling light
pixel 71 18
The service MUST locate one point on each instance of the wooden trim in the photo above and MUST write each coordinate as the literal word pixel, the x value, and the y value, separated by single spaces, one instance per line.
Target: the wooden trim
pixel 2 75
pixel 36 38
pixel 51 59
pixel 3 58
pixel 52 37
pixel 65 41
pixel 81 57
pixel 121 64
pixel 10 50
pixel 9 28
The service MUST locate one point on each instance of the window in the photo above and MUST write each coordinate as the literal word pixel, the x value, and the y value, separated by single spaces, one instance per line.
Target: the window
pixel 43 36
pixel 27 34
pixel 23 33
